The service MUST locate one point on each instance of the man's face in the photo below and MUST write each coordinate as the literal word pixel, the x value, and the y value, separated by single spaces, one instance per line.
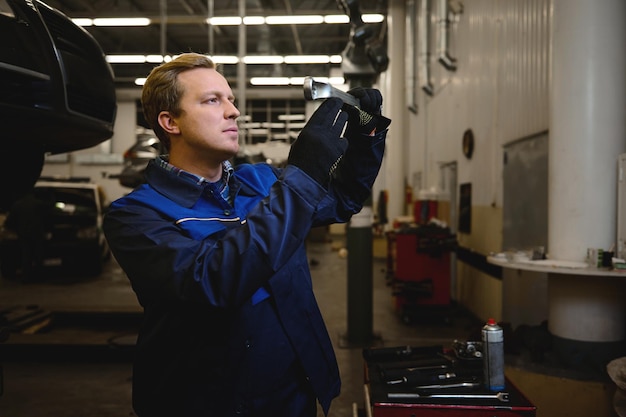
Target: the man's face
pixel 208 119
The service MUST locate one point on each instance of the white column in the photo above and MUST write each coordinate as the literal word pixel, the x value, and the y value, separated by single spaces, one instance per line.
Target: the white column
pixel 587 133
pixel 585 308
pixel 392 83
pixel 587 124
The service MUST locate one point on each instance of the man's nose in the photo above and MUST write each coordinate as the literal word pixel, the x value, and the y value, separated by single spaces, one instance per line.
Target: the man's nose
pixel 232 111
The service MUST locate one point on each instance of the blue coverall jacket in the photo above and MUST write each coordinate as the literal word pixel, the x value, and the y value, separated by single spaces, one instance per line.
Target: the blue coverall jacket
pixel 229 310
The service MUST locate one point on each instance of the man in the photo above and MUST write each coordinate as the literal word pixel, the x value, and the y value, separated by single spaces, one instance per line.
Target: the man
pixel 216 255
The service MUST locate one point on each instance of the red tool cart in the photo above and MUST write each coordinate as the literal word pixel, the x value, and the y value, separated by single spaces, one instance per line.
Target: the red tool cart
pixel 418 268
pixel 432 381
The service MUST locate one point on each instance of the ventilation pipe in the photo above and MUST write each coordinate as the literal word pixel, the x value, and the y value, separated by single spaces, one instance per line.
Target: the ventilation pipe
pixel 163 32
pixel 424 28
pixel 210 6
pixel 241 69
pixel 445 59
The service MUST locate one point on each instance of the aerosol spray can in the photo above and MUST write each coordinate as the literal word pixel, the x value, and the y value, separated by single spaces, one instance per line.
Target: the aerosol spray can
pixel 493 356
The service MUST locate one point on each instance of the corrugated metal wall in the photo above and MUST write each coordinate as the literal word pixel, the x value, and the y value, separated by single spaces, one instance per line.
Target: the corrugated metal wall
pixel 499 90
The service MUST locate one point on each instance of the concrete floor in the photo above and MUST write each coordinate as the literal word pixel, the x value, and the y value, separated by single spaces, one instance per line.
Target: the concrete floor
pixel 79 366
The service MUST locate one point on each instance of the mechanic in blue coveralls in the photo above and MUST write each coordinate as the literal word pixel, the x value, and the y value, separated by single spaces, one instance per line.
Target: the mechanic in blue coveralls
pixel 217 256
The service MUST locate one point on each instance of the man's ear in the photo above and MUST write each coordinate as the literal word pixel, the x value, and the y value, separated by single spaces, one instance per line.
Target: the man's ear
pixel 167 123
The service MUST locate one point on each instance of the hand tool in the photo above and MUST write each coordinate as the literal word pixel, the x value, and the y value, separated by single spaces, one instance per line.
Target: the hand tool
pixel 421 378
pixel 416 376
pixel 395 374
pixel 315 90
pixel 454 385
pixel 414 365
pixel 501 396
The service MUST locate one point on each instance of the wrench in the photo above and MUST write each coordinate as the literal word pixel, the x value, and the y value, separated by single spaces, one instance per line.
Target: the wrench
pixel 422 378
pixel 457 385
pixel 501 396
pixel 315 90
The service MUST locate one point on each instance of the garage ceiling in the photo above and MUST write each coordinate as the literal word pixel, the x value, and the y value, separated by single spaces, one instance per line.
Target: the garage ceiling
pixel 185 30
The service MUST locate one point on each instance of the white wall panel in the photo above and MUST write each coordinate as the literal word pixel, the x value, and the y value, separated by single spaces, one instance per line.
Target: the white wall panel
pixel 499 90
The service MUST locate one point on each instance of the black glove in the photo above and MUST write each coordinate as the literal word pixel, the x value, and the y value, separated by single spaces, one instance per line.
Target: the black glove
pixel 366 119
pixel 319 146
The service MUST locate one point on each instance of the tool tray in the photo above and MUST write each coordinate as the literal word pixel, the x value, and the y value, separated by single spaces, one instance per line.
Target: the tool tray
pixel 425 373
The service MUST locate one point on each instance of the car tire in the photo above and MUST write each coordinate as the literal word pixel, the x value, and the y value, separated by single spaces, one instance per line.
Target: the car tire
pixel 8 268
pixel 95 266
pixel 19 172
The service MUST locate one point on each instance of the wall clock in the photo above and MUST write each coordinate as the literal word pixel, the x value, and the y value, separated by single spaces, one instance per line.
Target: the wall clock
pixel 468 143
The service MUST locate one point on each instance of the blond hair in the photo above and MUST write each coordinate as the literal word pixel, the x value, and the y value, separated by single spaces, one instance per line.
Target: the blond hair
pixel 162 92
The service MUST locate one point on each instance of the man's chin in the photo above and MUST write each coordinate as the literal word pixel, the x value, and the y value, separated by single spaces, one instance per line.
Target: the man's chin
pixel 232 153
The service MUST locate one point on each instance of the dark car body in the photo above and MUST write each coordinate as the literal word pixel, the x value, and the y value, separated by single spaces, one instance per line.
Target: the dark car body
pixel 58 92
pixel 73 235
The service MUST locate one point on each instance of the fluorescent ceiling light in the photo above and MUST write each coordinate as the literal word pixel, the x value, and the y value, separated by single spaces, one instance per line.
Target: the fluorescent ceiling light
pixel 330 80
pixel 140 81
pixel 224 21
pixel 253 20
pixel 83 22
pixel 224 59
pixel 336 18
pixel 373 18
pixel 293 80
pixel 250 125
pixel 280 136
pixel 257 132
pixel 121 21
pixel 336 59
pixel 126 59
pixel 273 125
pixel 154 59
pixel 290 117
pixel 307 59
pixel 231 59
pixel 294 20
pixel 269 81
pixel 236 20
pixel 263 59
pixel 336 80
pixel 299 80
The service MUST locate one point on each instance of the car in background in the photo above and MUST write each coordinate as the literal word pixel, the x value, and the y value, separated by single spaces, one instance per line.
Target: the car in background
pixel 73 238
pixel 58 92
pixel 136 158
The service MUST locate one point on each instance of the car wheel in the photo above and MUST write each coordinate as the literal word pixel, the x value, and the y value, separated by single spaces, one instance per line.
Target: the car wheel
pixel 95 270
pixel 94 266
pixel 20 171
pixel 8 268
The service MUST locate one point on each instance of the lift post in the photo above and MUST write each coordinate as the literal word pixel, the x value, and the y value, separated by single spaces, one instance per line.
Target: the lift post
pixel 364 58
